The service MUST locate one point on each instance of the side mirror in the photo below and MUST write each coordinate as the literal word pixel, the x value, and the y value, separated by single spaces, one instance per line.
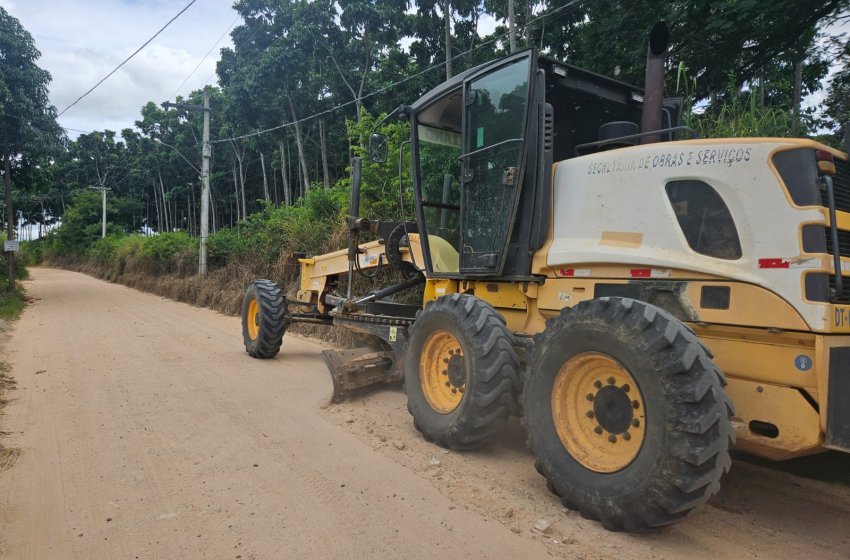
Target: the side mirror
pixel 378 148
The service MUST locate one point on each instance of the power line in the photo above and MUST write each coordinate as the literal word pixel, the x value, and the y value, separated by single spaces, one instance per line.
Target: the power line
pixel 173 95
pixel 146 43
pixel 399 82
pixel 41 128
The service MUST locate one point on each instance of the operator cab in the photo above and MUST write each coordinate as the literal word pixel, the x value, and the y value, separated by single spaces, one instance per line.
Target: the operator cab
pixel 483 144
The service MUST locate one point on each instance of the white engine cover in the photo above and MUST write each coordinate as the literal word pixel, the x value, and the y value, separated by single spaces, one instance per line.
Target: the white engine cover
pixel 622 193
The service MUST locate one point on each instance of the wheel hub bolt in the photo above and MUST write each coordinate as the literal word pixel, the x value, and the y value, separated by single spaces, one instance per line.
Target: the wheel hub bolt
pixel 598 429
pixel 445 360
pixel 589 397
pixel 627 436
pixel 611 381
pixel 448 384
pixel 597 384
pixel 625 388
pixel 635 422
pixel 635 404
pixel 460 389
pixel 612 438
pixel 590 414
pixel 445 372
pixel 454 391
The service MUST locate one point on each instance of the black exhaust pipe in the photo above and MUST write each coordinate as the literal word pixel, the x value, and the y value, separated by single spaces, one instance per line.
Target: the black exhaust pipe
pixel 653 94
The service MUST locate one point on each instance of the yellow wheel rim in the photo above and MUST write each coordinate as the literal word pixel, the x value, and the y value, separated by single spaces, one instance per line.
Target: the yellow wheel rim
pixel 598 412
pixel 442 371
pixel 253 319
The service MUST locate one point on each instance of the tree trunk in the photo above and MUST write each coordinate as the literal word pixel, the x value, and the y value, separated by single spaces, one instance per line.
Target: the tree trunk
pixel 529 28
pixel 236 191
pixel 447 25
pixel 165 207
pixel 242 172
pixel 265 179
pixel 798 97
pixel 284 172
pixel 512 26
pixel 275 195
pixel 241 177
pixel 325 174
pixel 299 142
pixel 156 204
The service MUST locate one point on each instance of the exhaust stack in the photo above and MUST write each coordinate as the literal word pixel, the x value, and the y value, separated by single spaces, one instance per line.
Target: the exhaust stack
pixel 653 95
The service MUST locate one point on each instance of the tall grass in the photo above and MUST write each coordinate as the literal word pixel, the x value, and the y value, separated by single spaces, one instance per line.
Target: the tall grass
pixel 740 114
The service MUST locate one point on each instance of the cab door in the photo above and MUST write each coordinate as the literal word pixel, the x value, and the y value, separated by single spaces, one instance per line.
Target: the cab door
pixel 495 126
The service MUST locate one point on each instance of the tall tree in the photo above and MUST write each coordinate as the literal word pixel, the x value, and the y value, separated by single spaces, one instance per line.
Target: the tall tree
pixel 28 127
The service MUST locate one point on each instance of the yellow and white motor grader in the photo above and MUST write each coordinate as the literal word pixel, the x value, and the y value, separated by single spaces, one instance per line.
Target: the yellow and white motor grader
pixel 619 287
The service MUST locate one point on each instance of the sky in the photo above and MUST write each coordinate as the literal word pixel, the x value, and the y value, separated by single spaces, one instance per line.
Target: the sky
pixel 81 41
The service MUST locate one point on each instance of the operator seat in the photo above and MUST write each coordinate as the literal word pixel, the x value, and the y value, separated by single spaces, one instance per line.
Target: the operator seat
pixel 444 257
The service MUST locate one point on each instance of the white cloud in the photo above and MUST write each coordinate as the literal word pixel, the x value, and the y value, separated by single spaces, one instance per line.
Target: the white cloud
pixel 81 41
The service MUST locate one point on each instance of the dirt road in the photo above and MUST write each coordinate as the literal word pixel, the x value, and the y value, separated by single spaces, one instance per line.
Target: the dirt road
pixel 147 432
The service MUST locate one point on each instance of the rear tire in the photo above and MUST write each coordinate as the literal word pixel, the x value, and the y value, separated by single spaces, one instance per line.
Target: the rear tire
pixel 633 457
pixel 461 372
pixel 263 319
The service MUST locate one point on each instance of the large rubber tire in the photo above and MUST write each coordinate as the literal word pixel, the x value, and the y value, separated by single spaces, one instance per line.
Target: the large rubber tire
pixel 264 303
pixel 687 433
pixel 489 372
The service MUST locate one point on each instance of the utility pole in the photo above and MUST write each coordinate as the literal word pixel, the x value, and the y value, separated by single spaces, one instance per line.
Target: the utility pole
pixel 205 191
pixel 103 192
pixel 205 177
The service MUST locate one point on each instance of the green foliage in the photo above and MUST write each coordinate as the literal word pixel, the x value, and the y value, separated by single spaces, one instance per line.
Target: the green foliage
pixel 379 192
pixel 11 304
pixel 160 249
pixel 82 224
pixel 742 115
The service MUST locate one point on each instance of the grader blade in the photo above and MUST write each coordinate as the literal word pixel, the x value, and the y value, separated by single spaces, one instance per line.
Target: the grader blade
pixel 353 371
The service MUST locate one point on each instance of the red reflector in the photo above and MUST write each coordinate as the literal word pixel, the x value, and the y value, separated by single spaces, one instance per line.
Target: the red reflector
pixel 774 263
pixel 641 272
pixel 823 155
pixel 567 272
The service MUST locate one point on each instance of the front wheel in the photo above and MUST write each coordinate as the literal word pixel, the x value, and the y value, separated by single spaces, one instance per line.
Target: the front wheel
pixel 626 414
pixel 263 319
pixel 461 372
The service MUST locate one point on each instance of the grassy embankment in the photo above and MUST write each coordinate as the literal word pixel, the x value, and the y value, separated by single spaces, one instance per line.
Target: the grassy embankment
pixel 167 264
pixel 11 305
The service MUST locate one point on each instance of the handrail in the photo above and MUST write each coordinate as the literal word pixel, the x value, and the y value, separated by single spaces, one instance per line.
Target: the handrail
pixel 629 136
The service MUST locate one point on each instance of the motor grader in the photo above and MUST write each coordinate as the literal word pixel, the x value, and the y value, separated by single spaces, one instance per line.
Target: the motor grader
pixel 641 300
